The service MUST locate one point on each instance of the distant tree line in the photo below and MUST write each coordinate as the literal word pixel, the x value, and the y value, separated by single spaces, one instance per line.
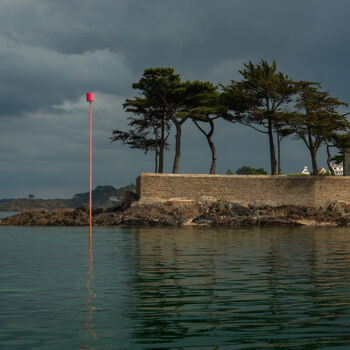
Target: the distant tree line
pixel 102 195
pixel 264 99
pixel 247 170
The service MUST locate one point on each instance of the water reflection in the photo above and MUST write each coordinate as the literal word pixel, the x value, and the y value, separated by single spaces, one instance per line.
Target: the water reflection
pixel 88 307
pixel 218 289
pixel 175 289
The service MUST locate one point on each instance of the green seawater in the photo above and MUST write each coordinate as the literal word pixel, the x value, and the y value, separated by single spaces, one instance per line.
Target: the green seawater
pixel 165 288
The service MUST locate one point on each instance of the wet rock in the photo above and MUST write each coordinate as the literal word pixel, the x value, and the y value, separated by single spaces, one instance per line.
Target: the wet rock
pixel 177 213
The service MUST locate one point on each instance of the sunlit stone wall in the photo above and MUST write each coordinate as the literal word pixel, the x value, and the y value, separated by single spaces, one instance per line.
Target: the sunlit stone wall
pixel 245 189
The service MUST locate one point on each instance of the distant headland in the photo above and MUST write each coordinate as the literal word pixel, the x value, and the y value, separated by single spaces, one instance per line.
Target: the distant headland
pixel 103 197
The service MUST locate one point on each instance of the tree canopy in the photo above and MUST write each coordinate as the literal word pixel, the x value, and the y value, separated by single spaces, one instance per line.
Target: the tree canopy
pixel 259 99
pixel 265 99
pixel 247 170
pixel 203 105
pixel 316 119
pixel 160 91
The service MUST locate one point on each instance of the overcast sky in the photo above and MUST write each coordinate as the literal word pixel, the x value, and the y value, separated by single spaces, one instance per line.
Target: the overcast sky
pixel 54 51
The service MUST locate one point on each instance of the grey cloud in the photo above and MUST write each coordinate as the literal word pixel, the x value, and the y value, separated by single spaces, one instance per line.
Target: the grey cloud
pixel 34 77
pixel 46 148
pixel 52 52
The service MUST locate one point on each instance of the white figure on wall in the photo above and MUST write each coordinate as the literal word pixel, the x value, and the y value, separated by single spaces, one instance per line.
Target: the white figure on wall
pixel 305 171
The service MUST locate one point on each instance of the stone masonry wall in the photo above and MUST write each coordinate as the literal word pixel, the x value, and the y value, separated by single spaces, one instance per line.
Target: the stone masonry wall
pixel 244 189
pixel 331 188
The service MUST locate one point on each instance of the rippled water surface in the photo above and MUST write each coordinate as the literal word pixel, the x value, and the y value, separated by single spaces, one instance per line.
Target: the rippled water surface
pixel 190 288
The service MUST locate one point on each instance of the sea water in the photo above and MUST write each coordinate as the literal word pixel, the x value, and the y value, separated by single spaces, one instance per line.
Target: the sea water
pixel 165 288
pixel 5 214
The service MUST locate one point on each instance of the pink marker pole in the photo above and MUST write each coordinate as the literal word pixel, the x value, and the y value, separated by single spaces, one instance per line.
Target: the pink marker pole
pixel 90 98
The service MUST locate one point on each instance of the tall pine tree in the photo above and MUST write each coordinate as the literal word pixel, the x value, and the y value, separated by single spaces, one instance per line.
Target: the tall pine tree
pixel 259 98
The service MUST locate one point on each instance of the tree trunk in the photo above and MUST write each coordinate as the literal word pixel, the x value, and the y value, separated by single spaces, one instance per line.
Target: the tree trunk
pixel 278 153
pixel 161 149
pixel 329 158
pixel 212 147
pixel 314 161
pixel 210 143
pixel 156 152
pixel 156 161
pixel 176 165
pixel 213 155
pixel 272 148
pixel 313 151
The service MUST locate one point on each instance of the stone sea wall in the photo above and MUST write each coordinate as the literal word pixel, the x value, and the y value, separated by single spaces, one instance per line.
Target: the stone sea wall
pixel 211 200
pixel 314 191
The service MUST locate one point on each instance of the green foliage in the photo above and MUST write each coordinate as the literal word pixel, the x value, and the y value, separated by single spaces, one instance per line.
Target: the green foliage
pixel 259 100
pixel 121 191
pixel 161 95
pixel 315 120
pixel 203 106
pixel 338 158
pixel 201 100
pixel 101 195
pixel 247 170
pixel 316 116
pixel 341 142
pixel 265 99
pixel 166 100
pixel 229 172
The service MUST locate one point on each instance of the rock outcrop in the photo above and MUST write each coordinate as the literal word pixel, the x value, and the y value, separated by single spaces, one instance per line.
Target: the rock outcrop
pixel 178 213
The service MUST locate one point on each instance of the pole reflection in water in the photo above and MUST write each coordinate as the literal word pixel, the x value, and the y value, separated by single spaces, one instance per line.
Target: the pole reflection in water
pixel 89 308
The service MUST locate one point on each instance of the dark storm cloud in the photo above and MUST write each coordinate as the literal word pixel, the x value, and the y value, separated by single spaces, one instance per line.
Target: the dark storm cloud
pixel 35 77
pixel 57 48
pixel 52 52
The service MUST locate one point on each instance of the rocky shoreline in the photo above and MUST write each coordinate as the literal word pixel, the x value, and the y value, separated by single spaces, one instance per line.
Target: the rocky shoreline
pixel 182 213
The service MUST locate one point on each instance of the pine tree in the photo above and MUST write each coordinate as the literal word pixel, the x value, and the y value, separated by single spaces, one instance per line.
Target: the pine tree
pixel 160 100
pixel 315 119
pixel 259 98
pixel 202 104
